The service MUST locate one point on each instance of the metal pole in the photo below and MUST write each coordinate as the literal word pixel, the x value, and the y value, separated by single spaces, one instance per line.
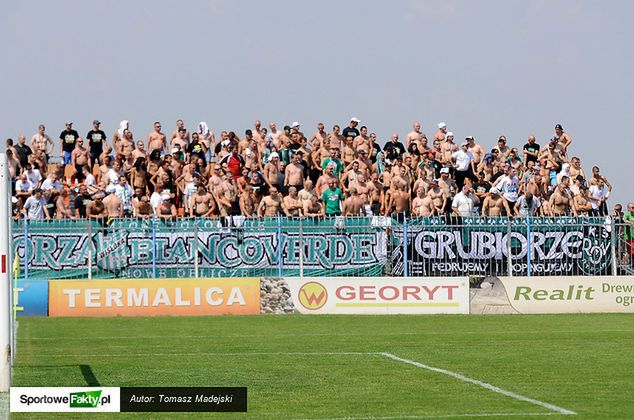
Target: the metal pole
pixel 89 249
pixel 405 243
pixel 615 257
pixel 528 244
pixel 195 250
pixel 154 247
pixel 279 246
pixel 509 257
pixel 301 249
pixel 6 341
pixel 26 249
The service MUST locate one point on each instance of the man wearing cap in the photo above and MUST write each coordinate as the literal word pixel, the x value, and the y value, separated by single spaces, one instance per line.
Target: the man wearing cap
pixel 96 139
pixel 351 129
pixel 531 150
pixel 69 138
pixel 464 164
pixel 564 139
pixel 476 150
pixel 440 134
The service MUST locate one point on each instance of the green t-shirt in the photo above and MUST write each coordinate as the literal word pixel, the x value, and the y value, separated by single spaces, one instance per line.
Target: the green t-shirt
pixel 629 230
pixel 338 169
pixel 332 198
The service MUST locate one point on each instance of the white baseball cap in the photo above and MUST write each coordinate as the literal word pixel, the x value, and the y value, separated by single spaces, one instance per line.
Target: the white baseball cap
pixel 295 124
pixel 355 119
pixel 449 133
pixel 442 125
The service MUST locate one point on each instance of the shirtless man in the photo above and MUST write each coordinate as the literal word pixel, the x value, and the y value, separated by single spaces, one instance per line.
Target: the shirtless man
pixel 202 204
pixel 114 205
pixel 494 204
pixel 248 202
pixel 272 204
pixel 96 209
pixel 476 150
pixel 323 181
pixel 362 187
pixel 228 194
pixel 575 168
pixel 561 200
pixel 274 134
pixel 400 202
pixel 422 206
pixel 307 192
pixel 362 141
pixel 79 158
pixel 180 124
pixel 320 135
pixel 167 209
pixel 353 205
pixel 62 210
pixel 441 133
pixel 41 141
pixel 126 145
pixel 375 193
pixel 581 203
pixel 312 207
pixel 156 140
pixel 449 148
pixel 294 174
pixel 293 203
pixel 335 138
pixel 181 140
pixel 504 150
pixel 537 187
pixel 272 170
pixel 438 197
pixel 563 139
pixel 596 177
pixel 349 153
pixel 413 135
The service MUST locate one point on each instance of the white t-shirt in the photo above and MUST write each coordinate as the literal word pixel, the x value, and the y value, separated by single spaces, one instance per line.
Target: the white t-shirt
pixel 523 206
pixel 35 176
pixel 463 160
pixel 90 180
pixel 509 187
pixel 25 186
pixel 125 194
pixel 597 193
pixel 463 203
pixel 155 200
pixel 35 207
pixel 49 184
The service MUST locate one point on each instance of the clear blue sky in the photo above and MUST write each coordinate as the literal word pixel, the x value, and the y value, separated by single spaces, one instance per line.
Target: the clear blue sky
pixel 485 68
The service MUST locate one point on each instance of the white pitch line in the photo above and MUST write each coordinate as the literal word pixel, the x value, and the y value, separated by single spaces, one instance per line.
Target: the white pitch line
pixel 485 385
pixel 407 333
pixel 441 416
pixel 278 353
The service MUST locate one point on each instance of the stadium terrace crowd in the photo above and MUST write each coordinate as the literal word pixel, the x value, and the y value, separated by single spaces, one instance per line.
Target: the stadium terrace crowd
pixel 268 172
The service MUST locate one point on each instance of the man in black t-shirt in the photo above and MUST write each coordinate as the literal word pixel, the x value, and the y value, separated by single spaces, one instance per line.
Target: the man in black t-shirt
pixel 81 201
pixel 394 148
pixel 69 138
pixel 531 150
pixel 196 148
pixel 22 150
pixel 96 139
pixel 351 129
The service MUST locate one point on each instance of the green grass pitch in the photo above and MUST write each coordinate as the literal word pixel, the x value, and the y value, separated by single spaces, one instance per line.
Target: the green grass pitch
pixel 295 367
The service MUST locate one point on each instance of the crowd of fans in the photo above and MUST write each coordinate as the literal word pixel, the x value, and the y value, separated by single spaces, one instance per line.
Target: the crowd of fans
pixel 267 172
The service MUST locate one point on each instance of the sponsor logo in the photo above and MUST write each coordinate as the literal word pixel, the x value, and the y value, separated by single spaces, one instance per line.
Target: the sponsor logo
pixel 86 399
pixel 312 295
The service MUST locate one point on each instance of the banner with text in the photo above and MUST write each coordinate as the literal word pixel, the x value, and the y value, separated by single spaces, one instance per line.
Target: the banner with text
pixel 135 248
pixel 481 246
pixel 551 295
pixel 370 295
pixel 153 297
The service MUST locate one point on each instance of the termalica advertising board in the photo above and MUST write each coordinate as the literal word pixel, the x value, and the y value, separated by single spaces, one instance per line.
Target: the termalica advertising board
pixel 151 297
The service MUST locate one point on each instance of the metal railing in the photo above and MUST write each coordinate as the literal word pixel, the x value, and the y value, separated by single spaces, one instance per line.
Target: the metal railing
pixel 338 246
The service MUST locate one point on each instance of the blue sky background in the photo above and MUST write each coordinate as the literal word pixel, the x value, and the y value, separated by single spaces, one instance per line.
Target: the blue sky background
pixel 485 68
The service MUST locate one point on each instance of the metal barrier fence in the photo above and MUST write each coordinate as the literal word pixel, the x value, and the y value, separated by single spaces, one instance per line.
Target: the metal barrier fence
pixel 374 246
